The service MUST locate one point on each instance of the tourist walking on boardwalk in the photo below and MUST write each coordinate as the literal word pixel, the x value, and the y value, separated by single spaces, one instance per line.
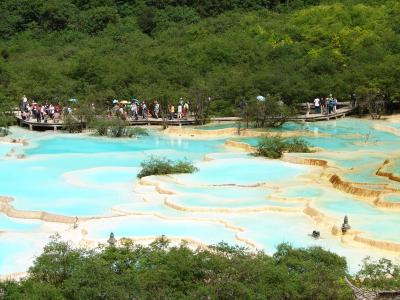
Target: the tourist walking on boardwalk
pixel 171 112
pixel 156 109
pixel 353 98
pixel 134 110
pixel 322 104
pixel 330 105
pixel 41 113
pixel 308 108
pixel 180 109
pixel 186 110
pixel 144 110
pixel 334 105
pixel 57 113
pixel 24 103
pixel 316 105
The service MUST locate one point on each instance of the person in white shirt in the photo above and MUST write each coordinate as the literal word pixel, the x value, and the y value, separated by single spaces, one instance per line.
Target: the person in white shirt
pixel 24 103
pixel 180 111
pixel 317 106
pixel 156 109
pixel 134 110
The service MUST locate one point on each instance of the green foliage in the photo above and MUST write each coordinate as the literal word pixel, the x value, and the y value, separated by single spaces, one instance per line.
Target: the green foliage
pixel 228 50
pixel 56 263
pixel 163 166
pixel 272 112
pixel 176 16
pixel 96 19
pixel 163 271
pixel 147 20
pixel 315 272
pixel 115 127
pixel 275 146
pixel 72 124
pixel 382 274
pixel 6 116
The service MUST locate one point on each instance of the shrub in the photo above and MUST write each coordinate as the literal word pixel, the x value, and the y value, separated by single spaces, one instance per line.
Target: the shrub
pixel 273 147
pixel 116 127
pixel 164 271
pixel 164 166
pixel 380 274
pixel 72 124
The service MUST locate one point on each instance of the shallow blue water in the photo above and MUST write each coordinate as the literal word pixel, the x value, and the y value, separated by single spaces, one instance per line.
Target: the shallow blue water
pixel 88 176
pixel 12 224
pixel 91 145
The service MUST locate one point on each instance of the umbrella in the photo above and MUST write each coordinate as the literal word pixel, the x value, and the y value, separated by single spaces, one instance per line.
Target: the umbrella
pixel 124 102
pixel 261 98
pixel 73 100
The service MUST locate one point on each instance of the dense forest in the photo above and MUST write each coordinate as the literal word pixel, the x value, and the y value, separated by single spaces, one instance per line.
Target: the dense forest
pixel 97 50
pixel 165 271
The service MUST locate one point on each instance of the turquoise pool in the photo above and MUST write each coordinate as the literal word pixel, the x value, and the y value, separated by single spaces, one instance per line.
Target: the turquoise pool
pixel 234 197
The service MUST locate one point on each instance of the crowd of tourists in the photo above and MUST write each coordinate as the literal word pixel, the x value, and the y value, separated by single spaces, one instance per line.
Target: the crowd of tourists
pixel 325 106
pixel 42 112
pixel 134 109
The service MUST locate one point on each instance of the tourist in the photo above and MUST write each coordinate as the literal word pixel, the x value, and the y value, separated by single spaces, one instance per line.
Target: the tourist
pixel 57 113
pixel 180 109
pixel 28 112
pixel 171 112
pixel 51 111
pixel 308 108
pixel 316 106
pixel 24 103
pixel 330 104
pixel 144 110
pixel 115 110
pixel 156 109
pixel 323 105
pixel 134 110
pixel 24 115
pixel 34 110
pixel 41 113
pixel 186 109
pixel 334 105
pixel 353 98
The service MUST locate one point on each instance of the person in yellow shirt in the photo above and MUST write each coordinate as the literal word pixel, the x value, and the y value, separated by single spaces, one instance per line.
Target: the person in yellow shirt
pixel 171 112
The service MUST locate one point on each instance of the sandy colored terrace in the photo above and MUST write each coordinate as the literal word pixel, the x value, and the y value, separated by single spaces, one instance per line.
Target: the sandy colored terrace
pixel 92 190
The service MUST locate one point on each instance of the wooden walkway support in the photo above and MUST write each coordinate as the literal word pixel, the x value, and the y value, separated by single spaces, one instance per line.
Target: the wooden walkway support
pixel 363 294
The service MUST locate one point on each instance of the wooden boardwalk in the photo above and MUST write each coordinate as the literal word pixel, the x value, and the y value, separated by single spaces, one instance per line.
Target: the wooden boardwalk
pixel 51 125
pixel 311 117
